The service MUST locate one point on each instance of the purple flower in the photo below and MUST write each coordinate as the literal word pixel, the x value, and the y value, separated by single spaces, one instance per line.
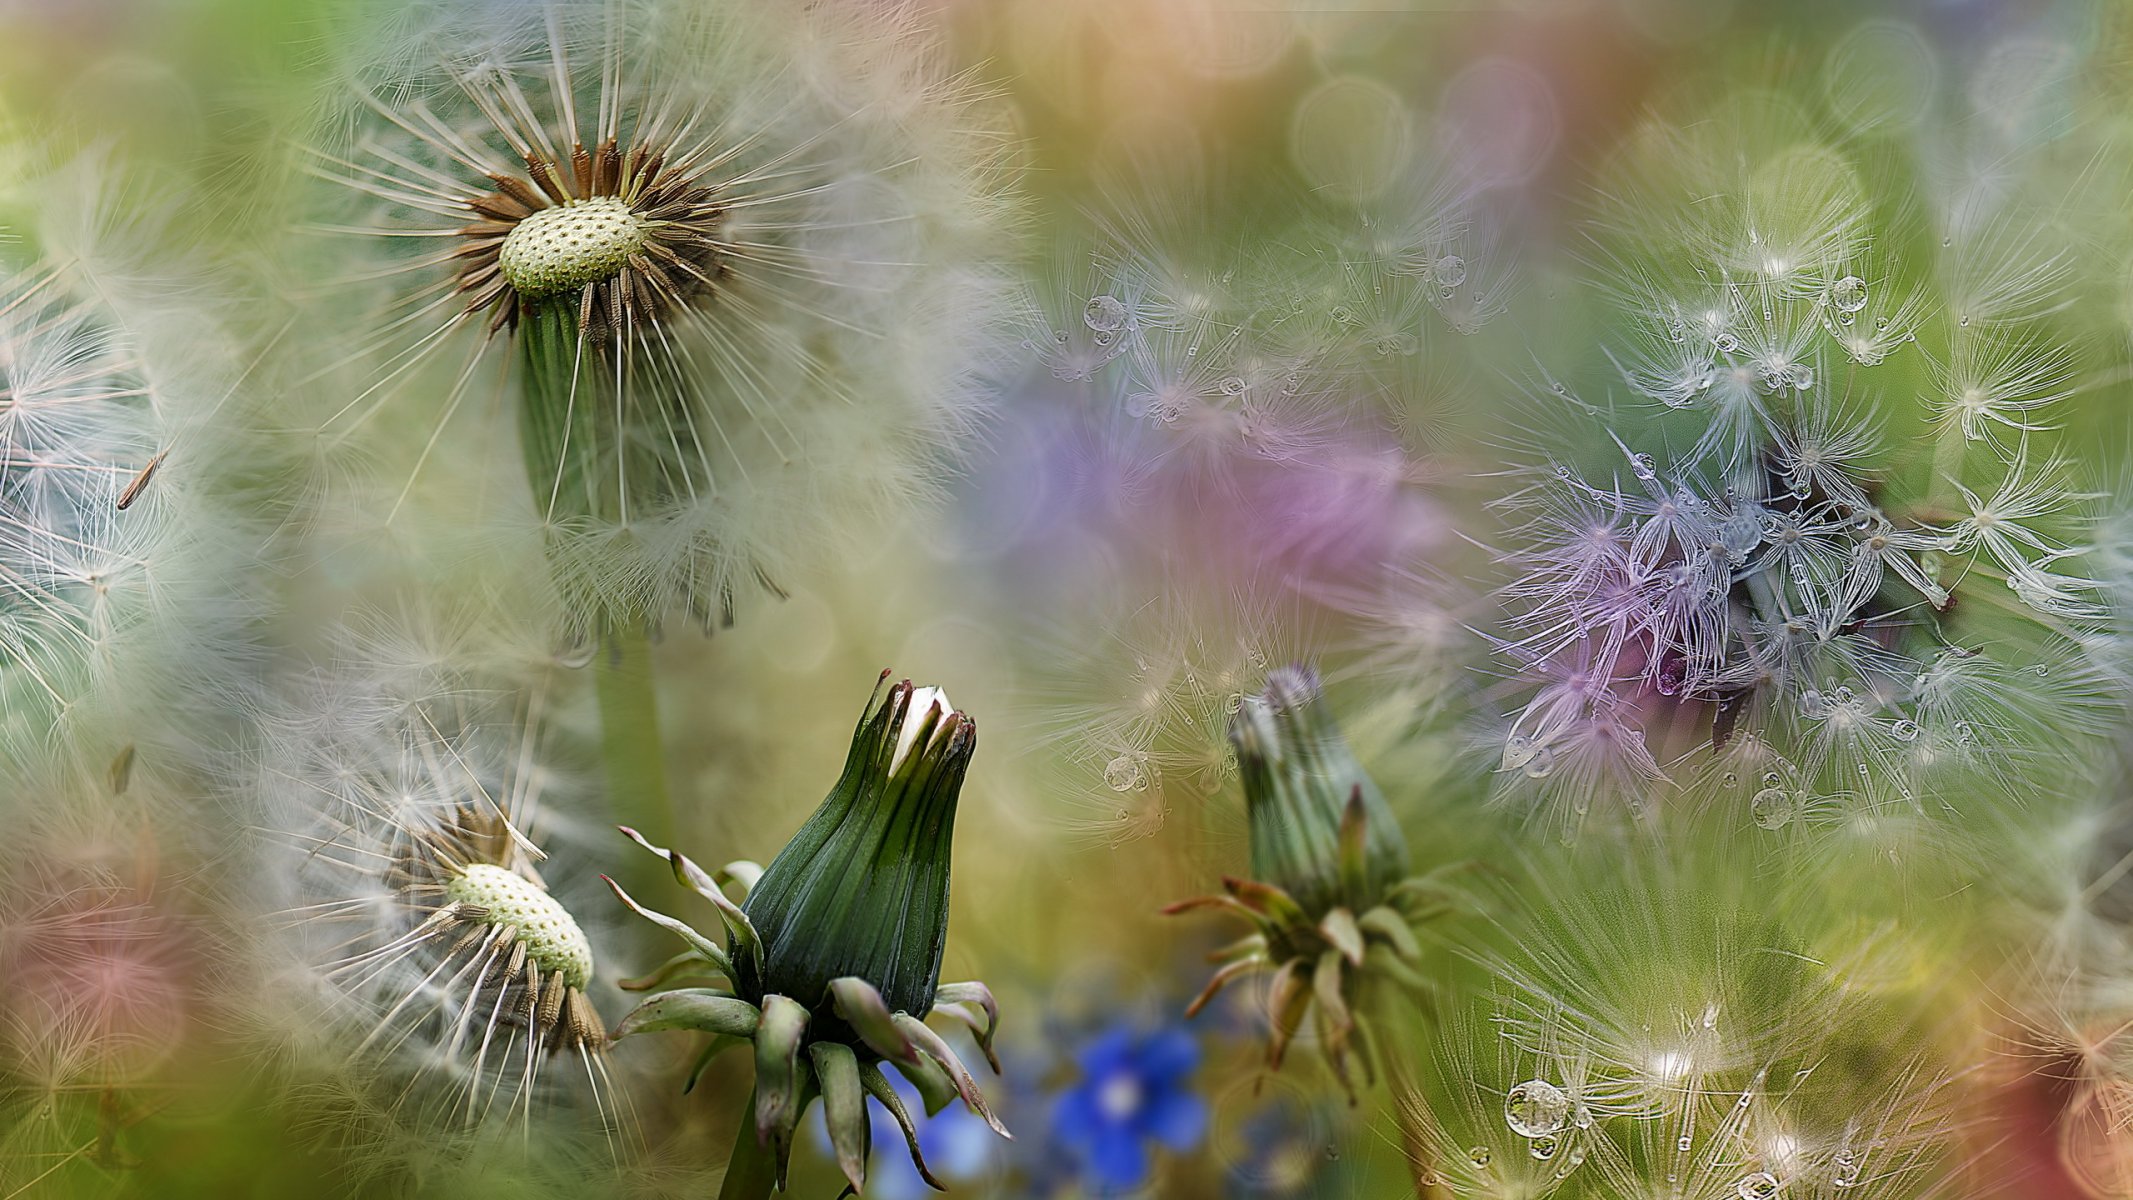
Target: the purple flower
pixel 1134 1088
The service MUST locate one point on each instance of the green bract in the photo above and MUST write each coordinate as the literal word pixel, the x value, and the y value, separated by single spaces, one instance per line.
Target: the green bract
pixel 1299 776
pixel 833 955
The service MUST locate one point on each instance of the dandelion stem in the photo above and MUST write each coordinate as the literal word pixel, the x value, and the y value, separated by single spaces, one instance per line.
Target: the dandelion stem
pixel 1409 1108
pixel 630 748
pixel 751 1170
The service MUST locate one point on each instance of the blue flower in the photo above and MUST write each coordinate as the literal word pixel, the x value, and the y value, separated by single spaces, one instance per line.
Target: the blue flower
pixel 1134 1087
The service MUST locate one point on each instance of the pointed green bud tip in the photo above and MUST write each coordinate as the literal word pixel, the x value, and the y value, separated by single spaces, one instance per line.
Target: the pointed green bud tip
pixel 861 891
pixel 1320 828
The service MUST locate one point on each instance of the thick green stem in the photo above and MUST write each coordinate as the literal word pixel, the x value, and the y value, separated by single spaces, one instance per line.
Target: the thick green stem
pixel 630 748
pixel 1408 1105
pixel 751 1170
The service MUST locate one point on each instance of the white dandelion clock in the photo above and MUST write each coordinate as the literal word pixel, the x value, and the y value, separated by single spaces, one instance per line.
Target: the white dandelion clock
pixel 727 262
pixel 113 369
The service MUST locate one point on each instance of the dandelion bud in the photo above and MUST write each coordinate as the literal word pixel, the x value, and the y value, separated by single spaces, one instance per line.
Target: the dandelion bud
pixel 1300 783
pixel 833 958
pixel 1331 905
pixel 862 889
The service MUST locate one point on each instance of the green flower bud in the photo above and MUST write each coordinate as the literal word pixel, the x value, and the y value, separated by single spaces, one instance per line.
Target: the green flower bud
pixel 1302 788
pixel 862 889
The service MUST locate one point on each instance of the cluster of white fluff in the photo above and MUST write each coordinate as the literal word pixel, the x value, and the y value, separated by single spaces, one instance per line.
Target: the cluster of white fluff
pixel 122 590
pixel 1863 613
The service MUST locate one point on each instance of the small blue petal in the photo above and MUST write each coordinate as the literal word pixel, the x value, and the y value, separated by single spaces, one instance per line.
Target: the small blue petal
pixel 1167 1055
pixel 1118 1160
pixel 1176 1118
pixel 1076 1119
pixel 1107 1053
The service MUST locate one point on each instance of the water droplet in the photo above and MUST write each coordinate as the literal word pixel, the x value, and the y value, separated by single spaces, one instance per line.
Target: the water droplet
pixel 1683 1144
pixel 1729 781
pixel 1535 1108
pixel 1904 731
pixel 1121 774
pixel 1450 271
pixel 1844 1169
pixel 1848 295
pixel 1771 808
pixel 1518 750
pixel 1479 1156
pixel 1963 321
pixel 1803 376
pixel 1725 343
pixel 1233 386
pixel 1104 314
pixel 1643 466
pixel 1543 1148
pixel 1761 1185
pixel 1541 764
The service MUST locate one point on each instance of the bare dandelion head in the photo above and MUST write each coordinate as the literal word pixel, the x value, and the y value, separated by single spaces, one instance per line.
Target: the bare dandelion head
pixel 418 913
pixel 731 253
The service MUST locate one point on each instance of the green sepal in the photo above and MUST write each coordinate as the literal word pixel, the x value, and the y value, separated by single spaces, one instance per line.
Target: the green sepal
pixel 1215 984
pixel 781 1075
pixel 855 1001
pixel 711 951
pixel 739 931
pixel 959 999
pixel 692 1008
pixel 938 1049
pixel 877 1085
pixel 844 1107
pixel 935 1089
pixel 665 972
pixel 1268 900
pixel 1339 927
pixel 1390 927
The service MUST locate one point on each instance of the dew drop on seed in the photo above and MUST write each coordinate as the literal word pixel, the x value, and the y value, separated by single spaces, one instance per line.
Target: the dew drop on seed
pixel 1848 295
pixel 1542 1148
pixel 1104 314
pixel 1771 808
pixel 1518 750
pixel 1643 466
pixel 1450 271
pixel 1535 1109
pixel 1479 1156
pixel 1729 781
pixel 1541 764
pixel 1120 774
pixel 1904 731
pixel 1761 1185
pixel 1683 1144
pixel 1233 386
